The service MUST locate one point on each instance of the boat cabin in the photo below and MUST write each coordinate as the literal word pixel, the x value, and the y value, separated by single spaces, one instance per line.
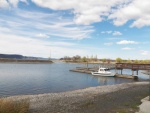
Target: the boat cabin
pixel 103 69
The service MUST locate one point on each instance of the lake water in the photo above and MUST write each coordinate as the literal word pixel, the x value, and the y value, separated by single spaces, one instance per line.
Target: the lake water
pixel 18 79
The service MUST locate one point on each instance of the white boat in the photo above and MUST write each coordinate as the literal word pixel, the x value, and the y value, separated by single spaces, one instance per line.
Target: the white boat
pixel 103 72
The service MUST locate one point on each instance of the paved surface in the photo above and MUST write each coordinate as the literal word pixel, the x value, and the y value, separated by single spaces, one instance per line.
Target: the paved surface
pixel 145 106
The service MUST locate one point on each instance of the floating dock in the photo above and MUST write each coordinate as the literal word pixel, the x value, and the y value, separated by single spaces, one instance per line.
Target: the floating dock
pixel 89 70
pixel 117 66
pixel 126 76
pixel 94 68
pixel 84 70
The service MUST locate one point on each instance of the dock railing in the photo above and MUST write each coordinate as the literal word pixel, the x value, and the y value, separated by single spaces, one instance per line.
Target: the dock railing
pixel 132 66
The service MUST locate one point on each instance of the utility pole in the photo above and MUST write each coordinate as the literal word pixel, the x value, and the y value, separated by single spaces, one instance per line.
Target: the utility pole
pixel 50 56
pixel 149 84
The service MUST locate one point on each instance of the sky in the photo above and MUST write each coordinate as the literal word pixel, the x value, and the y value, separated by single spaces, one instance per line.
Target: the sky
pixel 58 28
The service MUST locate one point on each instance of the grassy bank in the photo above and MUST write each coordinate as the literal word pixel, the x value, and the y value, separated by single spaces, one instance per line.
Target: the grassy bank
pixel 10 106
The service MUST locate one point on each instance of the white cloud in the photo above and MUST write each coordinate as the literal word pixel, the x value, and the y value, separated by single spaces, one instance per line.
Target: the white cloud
pixel 24 1
pixel 127 48
pixel 137 10
pixel 4 4
pixel 10 3
pixel 87 12
pixel 127 42
pixel 117 33
pixel 90 11
pixel 114 38
pixel 144 52
pixel 114 33
pixel 42 35
pixel 106 32
pixel 108 44
pixel 147 42
pixel 14 44
pixel 45 24
pixel 14 3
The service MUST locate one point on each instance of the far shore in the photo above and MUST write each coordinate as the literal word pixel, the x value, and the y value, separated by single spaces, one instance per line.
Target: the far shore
pixel 91 62
pixel 102 99
pixel 22 61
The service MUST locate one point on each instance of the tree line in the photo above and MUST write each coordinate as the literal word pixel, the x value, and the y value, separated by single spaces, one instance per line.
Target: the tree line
pixel 93 58
pixel 78 58
pixel 120 60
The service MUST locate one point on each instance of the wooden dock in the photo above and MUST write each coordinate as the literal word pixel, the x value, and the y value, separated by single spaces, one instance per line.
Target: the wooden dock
pixel 126 76
pixel 84 70
pixel 134 68
pixel 89 70
pixel 117 66
pixel 94 68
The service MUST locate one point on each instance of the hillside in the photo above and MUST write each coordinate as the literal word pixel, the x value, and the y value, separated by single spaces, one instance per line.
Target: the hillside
pixel 22 59
pixel 11 56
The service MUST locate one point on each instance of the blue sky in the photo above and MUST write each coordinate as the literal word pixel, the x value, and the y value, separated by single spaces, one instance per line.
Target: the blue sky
pixel 117 28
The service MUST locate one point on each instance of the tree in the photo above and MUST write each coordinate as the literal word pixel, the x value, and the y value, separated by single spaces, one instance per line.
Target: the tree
pixel 108 61
pixel 66 58
pixel 95 58
pixel 136 61
pixel 129 61
pixel 75 58
pixel 84 59
pixel 118 60
pixel 104 60
pixel 91 58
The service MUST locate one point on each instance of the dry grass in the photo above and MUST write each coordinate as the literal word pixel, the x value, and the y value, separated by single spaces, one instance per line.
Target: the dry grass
pixel 9 106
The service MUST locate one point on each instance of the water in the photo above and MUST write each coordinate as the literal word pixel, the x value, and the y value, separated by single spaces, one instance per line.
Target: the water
pixel 18 79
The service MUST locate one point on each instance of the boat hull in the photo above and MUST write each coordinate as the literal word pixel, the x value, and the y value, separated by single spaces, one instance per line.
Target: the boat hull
pixel 102 74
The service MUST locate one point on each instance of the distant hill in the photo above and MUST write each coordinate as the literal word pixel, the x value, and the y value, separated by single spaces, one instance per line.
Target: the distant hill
pixel 11 56
pixel 20 57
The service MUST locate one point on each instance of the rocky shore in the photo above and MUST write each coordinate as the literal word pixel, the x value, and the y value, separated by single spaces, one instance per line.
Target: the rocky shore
pixel 121 98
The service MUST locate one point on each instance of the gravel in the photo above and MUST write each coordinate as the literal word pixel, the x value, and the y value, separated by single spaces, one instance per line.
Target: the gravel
pixel 120 98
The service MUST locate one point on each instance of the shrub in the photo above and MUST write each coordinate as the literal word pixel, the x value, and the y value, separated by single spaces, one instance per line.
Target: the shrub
pixel 118 60
pixel 9 106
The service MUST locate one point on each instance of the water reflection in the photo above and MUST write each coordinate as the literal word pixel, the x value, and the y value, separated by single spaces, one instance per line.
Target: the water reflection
pixel 111 80
pixel 17 79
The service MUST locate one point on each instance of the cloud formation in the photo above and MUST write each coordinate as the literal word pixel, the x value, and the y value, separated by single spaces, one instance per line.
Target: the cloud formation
pixel 108 44
pixel 43 25
pixel 144 52
pixel 122 42
pixel 116 33
pixel 42 35
pixel 136 10
pixel 14 44
pixel 87 12
pixel 4 4
pixel 127 48
pixel 106 32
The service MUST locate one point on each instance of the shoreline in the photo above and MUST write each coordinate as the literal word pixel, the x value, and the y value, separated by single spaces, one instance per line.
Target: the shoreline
pixel 73 101
pixel 79 62
pixel 27 61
